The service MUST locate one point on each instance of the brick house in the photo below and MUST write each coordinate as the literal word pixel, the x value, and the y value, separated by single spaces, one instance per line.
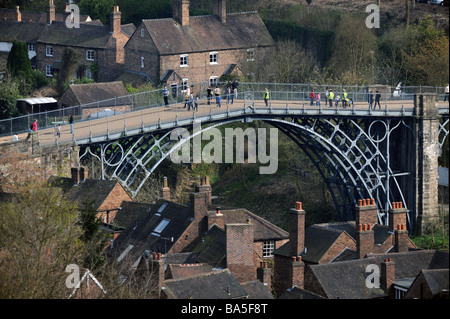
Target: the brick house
pixel 235 239
pixel 106 196
pixel 183 50
pixel 100 48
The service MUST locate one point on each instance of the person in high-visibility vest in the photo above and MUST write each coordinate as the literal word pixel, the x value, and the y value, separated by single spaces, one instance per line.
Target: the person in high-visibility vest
pixel 344 99
pixel 331 97
pixel 266 97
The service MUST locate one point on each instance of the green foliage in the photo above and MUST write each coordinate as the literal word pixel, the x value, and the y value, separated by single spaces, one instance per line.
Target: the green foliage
pixel 99 9
pixel 9 94
pixel 18 63
pixel 69 66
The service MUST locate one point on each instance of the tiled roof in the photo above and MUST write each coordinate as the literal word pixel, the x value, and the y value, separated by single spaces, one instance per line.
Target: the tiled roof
pixel 21 31
pixel 257 290
pixel 87 35
pixel 205 33
pixel 36 17
pixel 173 220
pixel 347 279
pixel 213 285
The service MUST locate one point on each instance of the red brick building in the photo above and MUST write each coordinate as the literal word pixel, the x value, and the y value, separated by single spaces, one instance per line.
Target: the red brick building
pixel 185 49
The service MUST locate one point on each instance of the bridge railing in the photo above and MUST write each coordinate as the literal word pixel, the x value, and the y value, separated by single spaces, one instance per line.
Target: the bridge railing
pixel 292 94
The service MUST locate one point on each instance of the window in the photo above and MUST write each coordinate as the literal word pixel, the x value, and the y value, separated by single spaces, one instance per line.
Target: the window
pixel 142 62
pixel 142 33
pixel 268 248
pixel 250 54
pixel 48 70
pixel 184 84
pixel 399 292
pixel 213 81
pixel 90 55
pixel 49 50
pixel 163 206
pixel 31 47
pixel 213 58
pixel 158 229
pixel 184 61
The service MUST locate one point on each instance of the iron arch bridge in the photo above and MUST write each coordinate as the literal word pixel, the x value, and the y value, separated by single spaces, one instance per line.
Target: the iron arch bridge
pixel 359 152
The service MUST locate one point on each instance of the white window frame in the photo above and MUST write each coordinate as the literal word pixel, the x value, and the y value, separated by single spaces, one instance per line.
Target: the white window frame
pixel 48 50
pixel 184 85
pixel 142 62
pixel 250 55
pixel 213 81
pixel 213 58
pixel 90 55
pixel 184 61
pixel 31 47
pixel 48 70
pixel 268 248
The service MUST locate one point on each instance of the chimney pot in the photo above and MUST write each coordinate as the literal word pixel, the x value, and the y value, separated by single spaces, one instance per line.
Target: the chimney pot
pixel 298 205
pixel 360 227
pixel 360 202
pixel 159 256
pixel 369 226
pixel 372 201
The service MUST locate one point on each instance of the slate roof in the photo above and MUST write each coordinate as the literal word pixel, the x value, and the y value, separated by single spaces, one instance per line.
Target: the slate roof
pixel 130 213
pixel 82 94
pixel 211 247
pixel 213 285
pixel 27 32
pixel 87 35
pixel 298 293
pixel 263 229
pixel 94 190
pixel 257 290
pixel 142 237
pixel 437 279
pixel 346 280
pixel 206 33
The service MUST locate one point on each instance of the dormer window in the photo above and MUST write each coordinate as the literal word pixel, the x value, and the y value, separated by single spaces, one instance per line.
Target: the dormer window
pixel 142 33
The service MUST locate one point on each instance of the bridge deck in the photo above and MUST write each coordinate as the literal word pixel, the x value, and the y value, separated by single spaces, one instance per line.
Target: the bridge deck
pixel 151 119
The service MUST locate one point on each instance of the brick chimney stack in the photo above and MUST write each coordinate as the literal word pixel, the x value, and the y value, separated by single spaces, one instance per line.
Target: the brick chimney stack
pixel 181 11
pixel 297 272
pixel 387 275
pixel 296 229
pixel 263 274
pixel 220 10
pixel 397 215
pixel 239 251
pixel 364 240
pixel 401 239
pixel 165 192
pixel 18 15
pixel 366 212
pixel 157 270
pixel 51 13
pixel 115 20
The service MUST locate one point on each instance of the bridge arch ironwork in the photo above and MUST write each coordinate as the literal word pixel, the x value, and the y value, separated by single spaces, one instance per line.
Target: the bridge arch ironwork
pixel 346 151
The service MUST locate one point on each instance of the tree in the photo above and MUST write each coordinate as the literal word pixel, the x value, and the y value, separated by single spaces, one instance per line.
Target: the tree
pixel 9 94
pixel 38 239
pixel 18 63
pixel 353 50
pixel 69 64
pixel 99 9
